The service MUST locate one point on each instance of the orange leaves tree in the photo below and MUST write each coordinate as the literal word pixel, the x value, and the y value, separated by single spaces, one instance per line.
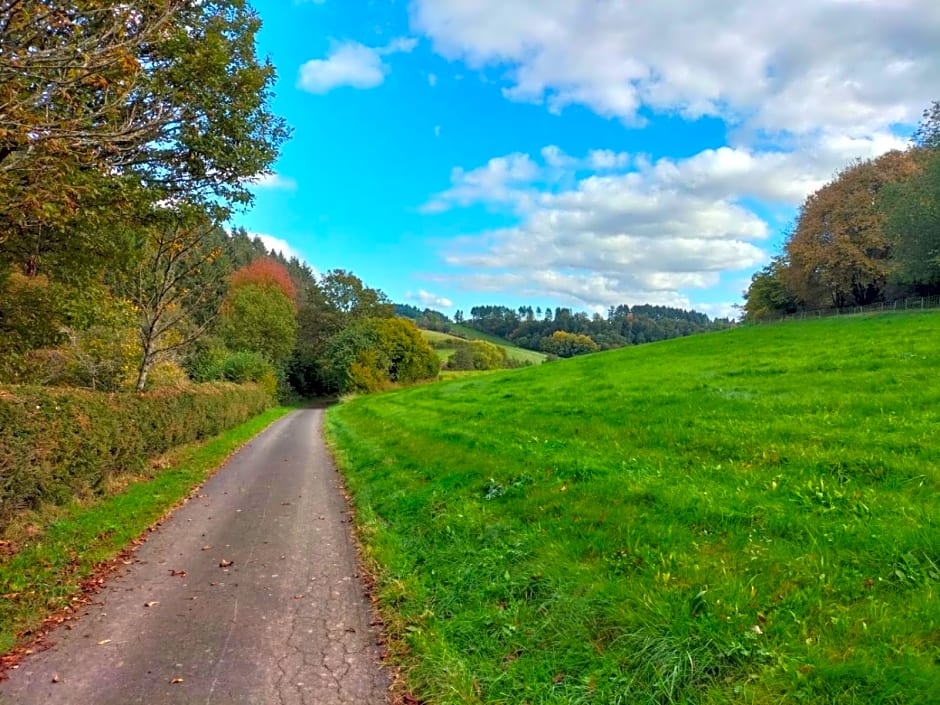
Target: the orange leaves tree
pixel 259 313
pixel 838 253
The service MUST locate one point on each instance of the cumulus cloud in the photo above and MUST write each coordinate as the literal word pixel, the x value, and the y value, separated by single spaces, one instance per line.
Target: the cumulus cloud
pixel 801 66
pixel 632 230
pixel 499 181
pixel 351 64
pixel 429 300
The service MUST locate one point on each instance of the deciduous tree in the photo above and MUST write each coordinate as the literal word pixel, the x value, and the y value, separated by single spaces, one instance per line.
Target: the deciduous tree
pixel 838 253
pixel 177 286
pixel 169 92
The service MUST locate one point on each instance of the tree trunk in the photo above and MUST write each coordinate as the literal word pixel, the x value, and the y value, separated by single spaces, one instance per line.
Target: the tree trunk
pixel 145 362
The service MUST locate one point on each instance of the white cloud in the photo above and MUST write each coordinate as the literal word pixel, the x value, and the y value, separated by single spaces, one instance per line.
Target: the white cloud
pixel 429 300
pixel 275 181
pixel 437 130
pixel 851 66
pixel 722 309
pixel 276 244
pixel 351 64
pixel 641 235
pixel 432 79
pixel 499 181
pixel 603 159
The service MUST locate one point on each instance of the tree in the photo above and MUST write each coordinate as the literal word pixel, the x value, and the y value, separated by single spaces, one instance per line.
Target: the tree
pixel 177 286
pixel 927 134
pixel 838 253
pixel 345 293
pixel 912 221
pixel 374 353
pixel 768 295
pixel 265 273
pixel 259 319
pixel 565 344
pixel 478 355
pixel 165 94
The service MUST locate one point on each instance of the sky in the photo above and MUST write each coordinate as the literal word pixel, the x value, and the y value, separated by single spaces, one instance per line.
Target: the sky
pixel 579 153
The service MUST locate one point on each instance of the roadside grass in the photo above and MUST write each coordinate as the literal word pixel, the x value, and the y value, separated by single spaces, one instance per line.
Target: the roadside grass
pixel 521 354
pixel 749 516
pixel 49 568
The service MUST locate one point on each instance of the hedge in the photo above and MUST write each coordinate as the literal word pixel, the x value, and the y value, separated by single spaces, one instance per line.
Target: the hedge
pixel 57 442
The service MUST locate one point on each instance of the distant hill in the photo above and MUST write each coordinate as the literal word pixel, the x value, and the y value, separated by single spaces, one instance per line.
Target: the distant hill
pixel 459 334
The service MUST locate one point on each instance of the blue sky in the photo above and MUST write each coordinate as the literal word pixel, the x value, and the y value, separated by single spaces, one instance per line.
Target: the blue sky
pixel 582 153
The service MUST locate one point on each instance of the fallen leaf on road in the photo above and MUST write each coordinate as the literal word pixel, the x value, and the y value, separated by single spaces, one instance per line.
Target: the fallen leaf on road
pixel 298 597
pixel 225 563
pixel 177 573
pixel 206 547
pixel 55 678
pixel 176 680
pixel 103 642
pixel 152 603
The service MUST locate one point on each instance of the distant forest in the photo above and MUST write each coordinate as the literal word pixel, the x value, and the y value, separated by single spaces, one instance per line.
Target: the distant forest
pixel 563 332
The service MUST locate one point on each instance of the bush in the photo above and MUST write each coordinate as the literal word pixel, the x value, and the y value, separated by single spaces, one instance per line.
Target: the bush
pixel 375 353
pixel 564 344
pixel 55 443
pixel 478 355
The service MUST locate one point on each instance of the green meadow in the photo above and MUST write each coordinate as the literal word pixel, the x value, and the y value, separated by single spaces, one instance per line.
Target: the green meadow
pixel 750 516
pixel 516 353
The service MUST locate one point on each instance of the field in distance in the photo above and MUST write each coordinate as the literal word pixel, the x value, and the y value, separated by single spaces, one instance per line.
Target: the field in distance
pixel 749 517
pixel 467 333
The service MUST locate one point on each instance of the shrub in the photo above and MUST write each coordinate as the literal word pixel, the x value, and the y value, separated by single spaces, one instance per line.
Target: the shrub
pixel 565 344
pixel 376 353
pixel 478 355
pixel 55 443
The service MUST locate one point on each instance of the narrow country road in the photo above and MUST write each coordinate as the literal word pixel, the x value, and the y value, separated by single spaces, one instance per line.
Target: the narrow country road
pixel 287 623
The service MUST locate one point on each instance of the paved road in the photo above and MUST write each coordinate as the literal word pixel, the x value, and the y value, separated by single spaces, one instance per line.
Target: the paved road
pixel 286 624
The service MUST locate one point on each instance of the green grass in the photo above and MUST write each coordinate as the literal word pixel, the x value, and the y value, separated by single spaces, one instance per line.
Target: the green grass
pixel 740 517
pixel 516 353
pixel 48 569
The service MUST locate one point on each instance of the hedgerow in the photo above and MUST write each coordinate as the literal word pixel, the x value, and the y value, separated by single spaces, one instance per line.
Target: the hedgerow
pixel 56 442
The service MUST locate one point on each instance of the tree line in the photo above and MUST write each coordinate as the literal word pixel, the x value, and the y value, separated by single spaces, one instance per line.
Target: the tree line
pixel 129 133
pixel 562 332
pixel 871 234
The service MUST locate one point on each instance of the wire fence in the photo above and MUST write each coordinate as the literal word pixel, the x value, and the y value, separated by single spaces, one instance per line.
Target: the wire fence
pixel 911 303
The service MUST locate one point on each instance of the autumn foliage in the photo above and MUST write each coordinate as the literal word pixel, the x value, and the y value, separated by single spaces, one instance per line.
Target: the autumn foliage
pixel 265 273
pixel 839 252
pixel 870 235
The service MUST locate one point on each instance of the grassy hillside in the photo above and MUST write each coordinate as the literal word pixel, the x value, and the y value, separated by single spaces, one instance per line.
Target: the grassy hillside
pixel 514 352
pixel 436 338
pixel 747 517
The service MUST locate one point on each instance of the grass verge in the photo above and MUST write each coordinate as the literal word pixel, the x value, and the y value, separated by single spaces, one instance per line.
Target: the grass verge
pixel 741 517
pixel 49 572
